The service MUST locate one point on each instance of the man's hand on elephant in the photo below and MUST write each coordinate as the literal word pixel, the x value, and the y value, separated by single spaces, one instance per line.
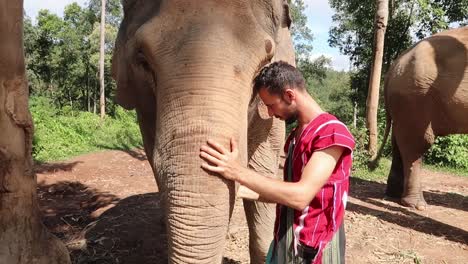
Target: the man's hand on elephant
pixel 221 160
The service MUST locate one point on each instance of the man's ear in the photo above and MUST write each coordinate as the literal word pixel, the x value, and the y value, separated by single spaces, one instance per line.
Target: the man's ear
pixel 289 95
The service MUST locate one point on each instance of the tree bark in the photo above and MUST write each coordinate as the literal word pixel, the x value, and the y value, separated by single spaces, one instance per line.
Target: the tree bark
pixel 101 58
pixel 355 113
pixel 23 238
pixel 88 95
pixel 381 19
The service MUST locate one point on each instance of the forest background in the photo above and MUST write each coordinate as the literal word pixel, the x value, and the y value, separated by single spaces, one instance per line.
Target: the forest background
pixel 62 55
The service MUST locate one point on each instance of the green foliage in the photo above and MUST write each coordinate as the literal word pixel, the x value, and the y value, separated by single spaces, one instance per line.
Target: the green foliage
pixel 361 158
pixel 361 171
pixel 409 21
pixel 353 32
pixel 113 11
pixel 449 151
pixel 463 172
pixel 333 94
pixel 63 133
pixel 300 33
pixel 314 69
pixel 61 55
pixel 302 40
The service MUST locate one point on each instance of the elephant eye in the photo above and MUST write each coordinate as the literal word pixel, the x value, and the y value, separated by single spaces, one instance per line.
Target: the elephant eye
pixel 141 61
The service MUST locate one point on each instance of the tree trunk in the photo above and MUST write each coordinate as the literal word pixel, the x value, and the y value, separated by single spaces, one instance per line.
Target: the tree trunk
pixel 94 100
pixel 355 113
pixel 88 96
pixel 101 58
pixel 381 18
pixel 23 238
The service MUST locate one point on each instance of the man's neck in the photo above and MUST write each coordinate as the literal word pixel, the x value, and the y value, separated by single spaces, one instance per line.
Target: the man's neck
pixel 308 110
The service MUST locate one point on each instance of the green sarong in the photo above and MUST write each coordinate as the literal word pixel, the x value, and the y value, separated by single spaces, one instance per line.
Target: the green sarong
pixel 283 251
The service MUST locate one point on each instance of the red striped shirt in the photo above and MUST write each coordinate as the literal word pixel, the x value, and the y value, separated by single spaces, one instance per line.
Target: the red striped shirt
pixel 317 223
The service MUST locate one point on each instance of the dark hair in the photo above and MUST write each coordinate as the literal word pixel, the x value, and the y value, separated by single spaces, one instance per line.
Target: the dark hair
pixel 276 76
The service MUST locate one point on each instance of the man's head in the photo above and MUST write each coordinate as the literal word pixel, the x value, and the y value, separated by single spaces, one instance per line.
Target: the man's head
pixel 278 85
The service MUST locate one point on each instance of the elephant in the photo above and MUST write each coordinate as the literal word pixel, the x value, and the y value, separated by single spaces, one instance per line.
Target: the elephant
pixel 187 67
pixel 426 95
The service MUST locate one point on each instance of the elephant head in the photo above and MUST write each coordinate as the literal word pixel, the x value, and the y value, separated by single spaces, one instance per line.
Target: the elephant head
pixel 187 68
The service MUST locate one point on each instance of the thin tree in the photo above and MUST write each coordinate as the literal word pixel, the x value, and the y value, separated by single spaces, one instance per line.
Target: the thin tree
pixel 102 100
pixel 380 26
pixel 23 237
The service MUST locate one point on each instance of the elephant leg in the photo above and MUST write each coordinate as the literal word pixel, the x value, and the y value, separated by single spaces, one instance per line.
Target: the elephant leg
pixel 266 139
pixel 413 195
pixel 260 219
pixel 395 181
pixel 412 146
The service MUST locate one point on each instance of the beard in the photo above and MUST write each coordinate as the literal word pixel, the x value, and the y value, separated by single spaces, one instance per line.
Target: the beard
pixel 291 119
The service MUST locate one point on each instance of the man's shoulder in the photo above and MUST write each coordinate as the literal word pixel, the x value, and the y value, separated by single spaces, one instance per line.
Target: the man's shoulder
pixel 325 122
pixel 327 131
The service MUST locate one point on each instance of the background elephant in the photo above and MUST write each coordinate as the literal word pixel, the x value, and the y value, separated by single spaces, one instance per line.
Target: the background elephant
pixel 426 95
pixel 187 68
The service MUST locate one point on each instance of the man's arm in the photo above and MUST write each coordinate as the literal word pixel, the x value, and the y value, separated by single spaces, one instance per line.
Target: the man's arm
pixel 296 195
pixel 246 193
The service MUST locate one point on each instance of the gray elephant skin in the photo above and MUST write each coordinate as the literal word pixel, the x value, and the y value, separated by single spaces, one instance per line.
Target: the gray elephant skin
pixel 426 95
pixel 187 68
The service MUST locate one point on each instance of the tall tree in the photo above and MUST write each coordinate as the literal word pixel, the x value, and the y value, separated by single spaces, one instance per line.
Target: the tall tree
pixel 69 74
pixel 101 58
pixel 380 26
pixel 76 54
pixel 113 11
pixel 302 39
pixel 353 32
pixel 23 238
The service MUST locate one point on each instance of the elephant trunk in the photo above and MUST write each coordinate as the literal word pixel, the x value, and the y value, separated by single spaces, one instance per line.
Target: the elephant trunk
pixel 193 107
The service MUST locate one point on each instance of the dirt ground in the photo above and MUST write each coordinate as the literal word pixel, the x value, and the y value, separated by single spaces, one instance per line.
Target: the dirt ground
pixel 105 208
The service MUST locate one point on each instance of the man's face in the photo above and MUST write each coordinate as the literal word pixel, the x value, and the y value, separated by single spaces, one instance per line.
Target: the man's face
pixel 281 107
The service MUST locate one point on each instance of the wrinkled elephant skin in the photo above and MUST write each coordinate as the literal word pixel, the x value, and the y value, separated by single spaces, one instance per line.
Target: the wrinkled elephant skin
pixel 426 95
pixel 187 68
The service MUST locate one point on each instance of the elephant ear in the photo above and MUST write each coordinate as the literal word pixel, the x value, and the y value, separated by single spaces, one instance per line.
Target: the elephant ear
pixel 286 19
pixel 121 60
pixel 284 45
pixel 257 110
pixel 129 93
pixel 128 5
pixel 262 109
pixel 120 67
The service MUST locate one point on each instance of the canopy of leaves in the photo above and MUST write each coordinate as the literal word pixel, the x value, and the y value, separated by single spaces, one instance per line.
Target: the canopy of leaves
pixel 409 21
pixel 302 39
pixel 61 54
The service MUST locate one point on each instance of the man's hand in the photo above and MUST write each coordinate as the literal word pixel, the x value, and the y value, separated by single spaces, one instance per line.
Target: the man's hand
pixel 221 160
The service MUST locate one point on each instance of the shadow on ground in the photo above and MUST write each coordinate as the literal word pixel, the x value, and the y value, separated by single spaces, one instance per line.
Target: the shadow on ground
pixel 55 167
pixel 133 231
pixel 99 228
pixel 67 207
pixel 138 154
pixel 373 193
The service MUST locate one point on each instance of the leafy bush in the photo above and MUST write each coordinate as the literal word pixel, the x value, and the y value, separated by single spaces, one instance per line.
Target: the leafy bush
pixel 60 134
pixel 451 151
pixel 360 154
pixel 361 158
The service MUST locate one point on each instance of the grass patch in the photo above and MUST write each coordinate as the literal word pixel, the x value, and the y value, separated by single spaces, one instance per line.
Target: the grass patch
pixel 62 134
pixel 380 174
pixel 463 172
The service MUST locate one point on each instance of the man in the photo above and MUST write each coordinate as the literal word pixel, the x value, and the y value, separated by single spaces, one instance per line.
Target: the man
pixel 312 198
